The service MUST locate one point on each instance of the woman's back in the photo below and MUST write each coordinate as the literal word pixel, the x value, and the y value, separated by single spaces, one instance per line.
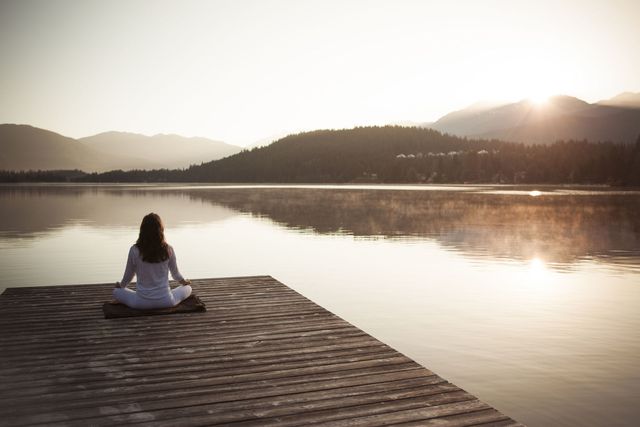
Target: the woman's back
pixel 152 277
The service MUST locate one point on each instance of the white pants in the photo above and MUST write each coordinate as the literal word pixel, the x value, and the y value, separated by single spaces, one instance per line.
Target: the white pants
pixel 132 299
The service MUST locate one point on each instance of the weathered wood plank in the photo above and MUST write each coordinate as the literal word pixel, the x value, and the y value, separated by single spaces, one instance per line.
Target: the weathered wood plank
pixel 181 373
pixel 261 355
pixel 486 417
pixel 77 305
pixel 85 323
pixel 91 311
pixel 223 405
pixel 201 351
pixel 42 394
pixel 335 399
pixel 379 413
pixel 124 359
pixel 175 368
pixel 273 387
pixel 185 323
pixel 251 341
pixel 141 336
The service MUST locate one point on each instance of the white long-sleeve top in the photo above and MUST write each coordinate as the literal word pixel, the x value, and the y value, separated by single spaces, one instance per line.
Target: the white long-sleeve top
pixel 153 277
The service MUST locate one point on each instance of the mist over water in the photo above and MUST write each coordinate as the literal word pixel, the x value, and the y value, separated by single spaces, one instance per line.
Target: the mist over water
pixel 526 297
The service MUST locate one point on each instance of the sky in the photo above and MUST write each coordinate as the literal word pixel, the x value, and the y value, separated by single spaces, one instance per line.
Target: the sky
pixel 242 71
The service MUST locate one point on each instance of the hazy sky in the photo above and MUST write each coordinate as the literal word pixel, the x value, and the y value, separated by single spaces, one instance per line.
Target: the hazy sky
pixel 240 71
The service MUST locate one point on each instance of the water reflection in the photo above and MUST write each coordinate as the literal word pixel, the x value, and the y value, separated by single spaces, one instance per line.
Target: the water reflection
pixel 28 211
pixel 562 229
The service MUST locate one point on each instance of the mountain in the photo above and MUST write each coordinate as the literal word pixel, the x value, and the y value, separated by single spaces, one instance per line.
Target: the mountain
pixel 560 118
pixel 625 99
pixel 25 147
pixel 162 150
pixel 472 119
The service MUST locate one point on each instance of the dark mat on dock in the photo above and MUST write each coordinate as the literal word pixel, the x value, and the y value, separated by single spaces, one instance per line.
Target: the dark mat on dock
pixel 189 305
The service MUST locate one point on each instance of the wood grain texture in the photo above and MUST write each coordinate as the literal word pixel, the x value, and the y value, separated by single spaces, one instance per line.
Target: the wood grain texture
pixel 261 355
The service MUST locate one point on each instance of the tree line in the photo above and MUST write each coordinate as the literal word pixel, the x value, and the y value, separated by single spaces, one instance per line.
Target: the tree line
pixel 391 154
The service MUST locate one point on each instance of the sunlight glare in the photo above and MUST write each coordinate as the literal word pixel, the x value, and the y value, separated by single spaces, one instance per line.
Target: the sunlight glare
pixel 535 193
pixel 537 269
pixel 539 100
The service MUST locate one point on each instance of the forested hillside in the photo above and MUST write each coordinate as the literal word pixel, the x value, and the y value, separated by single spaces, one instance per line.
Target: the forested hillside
pixel 404 155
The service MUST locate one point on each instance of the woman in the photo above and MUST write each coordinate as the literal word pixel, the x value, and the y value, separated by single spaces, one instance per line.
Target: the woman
pixel 151 259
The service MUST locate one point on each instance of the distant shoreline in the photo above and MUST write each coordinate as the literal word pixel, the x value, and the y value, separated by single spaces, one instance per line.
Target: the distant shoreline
pixel 330 185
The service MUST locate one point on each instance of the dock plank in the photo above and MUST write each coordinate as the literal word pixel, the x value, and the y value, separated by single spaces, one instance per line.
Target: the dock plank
pixel 262 354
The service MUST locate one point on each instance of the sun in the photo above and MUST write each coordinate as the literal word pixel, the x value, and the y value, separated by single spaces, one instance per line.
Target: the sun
pixel 539 99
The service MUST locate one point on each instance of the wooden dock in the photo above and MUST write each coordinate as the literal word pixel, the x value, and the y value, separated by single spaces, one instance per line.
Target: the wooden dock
pixel 261 355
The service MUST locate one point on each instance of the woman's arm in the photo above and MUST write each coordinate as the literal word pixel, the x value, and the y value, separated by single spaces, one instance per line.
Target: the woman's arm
pixel 129 270
pixel 173 268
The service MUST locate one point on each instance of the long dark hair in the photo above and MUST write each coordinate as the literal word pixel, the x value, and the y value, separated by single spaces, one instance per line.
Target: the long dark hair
pixel 151 243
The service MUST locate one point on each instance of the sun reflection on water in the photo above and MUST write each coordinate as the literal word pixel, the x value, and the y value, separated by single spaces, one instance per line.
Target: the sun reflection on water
pixel 538 276
pixel 537 268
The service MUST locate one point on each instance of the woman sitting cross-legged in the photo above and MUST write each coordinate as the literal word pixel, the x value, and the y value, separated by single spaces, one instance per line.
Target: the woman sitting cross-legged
pixel 151 259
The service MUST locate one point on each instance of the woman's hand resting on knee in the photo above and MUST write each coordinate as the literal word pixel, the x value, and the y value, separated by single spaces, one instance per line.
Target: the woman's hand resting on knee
pixel 184 282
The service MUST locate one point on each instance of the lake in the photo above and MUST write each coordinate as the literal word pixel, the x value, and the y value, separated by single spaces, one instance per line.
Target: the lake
pixel 527 297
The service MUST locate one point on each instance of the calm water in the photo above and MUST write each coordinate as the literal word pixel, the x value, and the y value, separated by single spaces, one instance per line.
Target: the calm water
pixel 527 297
